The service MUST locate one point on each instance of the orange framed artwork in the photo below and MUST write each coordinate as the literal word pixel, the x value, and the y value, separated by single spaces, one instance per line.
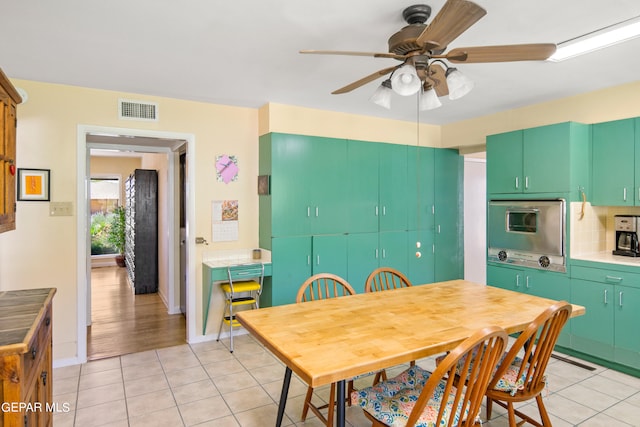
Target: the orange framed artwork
pixel 33 184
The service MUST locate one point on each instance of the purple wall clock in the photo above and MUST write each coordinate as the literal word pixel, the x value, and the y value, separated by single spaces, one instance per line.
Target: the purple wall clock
pixel 226 168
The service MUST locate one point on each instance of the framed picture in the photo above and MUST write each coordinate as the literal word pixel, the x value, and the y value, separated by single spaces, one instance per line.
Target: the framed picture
pixel 33 184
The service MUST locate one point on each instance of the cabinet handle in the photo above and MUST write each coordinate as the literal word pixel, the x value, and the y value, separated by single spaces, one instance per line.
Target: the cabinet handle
pixel 384 210
pixel 376 253
pixel 308 259
pixel 376 210
pixel 608 278
pixel 43 375
pixel 433 248
pixel 517 280
pixel 605 297
pixel 34 352
pixel 308 211
pixel 526 182
pixel 317 259
pixel 624 194
pixel 317 212
pixel 517 183
pixel 527 282
pixel 620 298
pixel 438 228
pixel 384 254
pixel 47 321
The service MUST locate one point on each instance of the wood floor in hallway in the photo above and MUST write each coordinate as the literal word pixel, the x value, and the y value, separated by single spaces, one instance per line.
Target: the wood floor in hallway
pixel 124 323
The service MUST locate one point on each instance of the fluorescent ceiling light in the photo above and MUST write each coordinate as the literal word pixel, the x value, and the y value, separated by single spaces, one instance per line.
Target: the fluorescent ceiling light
pixel 599 39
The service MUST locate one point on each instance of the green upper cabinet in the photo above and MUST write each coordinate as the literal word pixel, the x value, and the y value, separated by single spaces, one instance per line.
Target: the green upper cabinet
pixel 547 159
pixel 377 173
pixel 615 157
pixel 308 176
pixel 421 187
pixel 504 162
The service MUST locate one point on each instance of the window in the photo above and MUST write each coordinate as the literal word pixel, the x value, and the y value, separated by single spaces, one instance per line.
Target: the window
pixel 105 197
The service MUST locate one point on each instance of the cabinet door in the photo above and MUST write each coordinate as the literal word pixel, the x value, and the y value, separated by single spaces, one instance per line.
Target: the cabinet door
pixel 291 185
pixel 421 187
pixel 291 265
pixel 329 254
pixel 613 163
pixel 593 333
pixel 362 256
pixel 393 193
pixel 627 319
pixel 448 203
pixel 421 270
pixel 393 250
pixel 555 286
pixel 509 278
pixel 504 162
pixel 362 186
pixel 546 158
pixel 327 185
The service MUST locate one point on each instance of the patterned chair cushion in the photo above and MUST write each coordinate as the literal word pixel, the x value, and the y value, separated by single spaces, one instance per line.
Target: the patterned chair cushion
pixel 391 401
pixel 509 382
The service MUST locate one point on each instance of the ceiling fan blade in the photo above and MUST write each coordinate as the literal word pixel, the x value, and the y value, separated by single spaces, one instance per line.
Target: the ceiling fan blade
pixel 505 53
pixel 436 75
pixel 455 17
pixel 363 81
pixel 352 53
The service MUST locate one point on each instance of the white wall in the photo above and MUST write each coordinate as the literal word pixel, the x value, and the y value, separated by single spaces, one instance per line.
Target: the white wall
pixel 475 216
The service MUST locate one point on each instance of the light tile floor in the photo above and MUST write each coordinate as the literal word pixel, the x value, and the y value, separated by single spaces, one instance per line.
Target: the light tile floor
pixel 205 385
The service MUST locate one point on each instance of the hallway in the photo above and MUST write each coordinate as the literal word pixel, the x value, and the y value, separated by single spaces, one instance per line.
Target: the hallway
pixel 124 323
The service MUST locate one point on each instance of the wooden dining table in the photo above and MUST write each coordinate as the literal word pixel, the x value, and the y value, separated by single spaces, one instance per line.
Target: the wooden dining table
pixel 328 341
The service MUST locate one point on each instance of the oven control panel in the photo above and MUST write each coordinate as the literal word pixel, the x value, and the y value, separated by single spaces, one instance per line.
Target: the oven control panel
pixel 528 259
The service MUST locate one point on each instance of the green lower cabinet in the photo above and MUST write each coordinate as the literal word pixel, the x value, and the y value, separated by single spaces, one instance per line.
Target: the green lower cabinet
pixel 295 259
pixel 368 251
pixel 541 283
pixel 422 269
pixel 593 333
pixel 627 318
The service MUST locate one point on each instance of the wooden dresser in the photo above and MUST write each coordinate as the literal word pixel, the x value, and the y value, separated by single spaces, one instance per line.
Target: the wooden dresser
pixel 25 357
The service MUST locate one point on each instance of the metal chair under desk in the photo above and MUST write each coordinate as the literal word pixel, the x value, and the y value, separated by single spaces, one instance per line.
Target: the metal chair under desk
pixel 242 289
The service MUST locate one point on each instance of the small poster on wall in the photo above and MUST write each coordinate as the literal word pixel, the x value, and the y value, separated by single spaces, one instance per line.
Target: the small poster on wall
pixel 224 220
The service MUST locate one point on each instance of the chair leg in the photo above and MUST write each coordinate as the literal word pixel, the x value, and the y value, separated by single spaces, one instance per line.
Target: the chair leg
pixel 489 406
pixel 543 411
pixel 512 415
pixel 222 321
pixel 350 389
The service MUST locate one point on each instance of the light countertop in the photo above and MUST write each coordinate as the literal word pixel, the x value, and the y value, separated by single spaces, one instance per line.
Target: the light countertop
pixel 225 258
pixel 609 258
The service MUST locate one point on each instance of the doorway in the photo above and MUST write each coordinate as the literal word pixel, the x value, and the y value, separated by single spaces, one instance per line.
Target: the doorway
pixel 173 146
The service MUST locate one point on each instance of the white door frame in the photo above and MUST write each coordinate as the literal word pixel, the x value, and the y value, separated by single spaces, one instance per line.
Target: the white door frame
pixel 83 253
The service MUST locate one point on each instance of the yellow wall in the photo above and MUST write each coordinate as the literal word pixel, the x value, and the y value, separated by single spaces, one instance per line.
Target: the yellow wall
pixel 42 251
pixel 119 166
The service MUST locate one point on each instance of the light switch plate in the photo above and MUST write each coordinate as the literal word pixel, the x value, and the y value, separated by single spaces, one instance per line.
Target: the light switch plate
pixel 60 208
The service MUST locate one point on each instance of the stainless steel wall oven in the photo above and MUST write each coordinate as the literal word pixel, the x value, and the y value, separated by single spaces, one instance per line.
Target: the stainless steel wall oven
pixel 531 233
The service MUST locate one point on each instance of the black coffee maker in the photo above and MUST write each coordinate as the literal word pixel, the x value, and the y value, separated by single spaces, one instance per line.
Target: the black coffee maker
pixel 627 227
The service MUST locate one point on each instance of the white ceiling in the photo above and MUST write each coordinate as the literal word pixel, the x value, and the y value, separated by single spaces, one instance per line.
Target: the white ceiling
pixel 245 53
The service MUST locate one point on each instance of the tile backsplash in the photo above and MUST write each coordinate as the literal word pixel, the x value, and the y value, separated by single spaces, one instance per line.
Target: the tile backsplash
pixel 594 231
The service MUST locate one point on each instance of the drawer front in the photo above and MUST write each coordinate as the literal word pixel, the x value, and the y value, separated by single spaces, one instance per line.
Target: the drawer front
pixel 38 347
pixel 613 277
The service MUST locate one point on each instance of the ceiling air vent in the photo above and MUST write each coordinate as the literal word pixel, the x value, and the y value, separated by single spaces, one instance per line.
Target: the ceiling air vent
pixel 137 110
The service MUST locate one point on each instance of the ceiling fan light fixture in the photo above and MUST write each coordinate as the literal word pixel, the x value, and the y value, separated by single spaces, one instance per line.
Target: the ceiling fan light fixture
pixel 428 100
pixel 459 84
pixel 382 95
pixel 405 80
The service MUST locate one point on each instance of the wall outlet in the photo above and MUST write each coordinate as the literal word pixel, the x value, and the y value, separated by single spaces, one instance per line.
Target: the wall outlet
pixel 60 208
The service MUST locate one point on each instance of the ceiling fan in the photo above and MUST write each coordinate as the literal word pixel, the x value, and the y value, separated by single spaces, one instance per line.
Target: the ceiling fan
pixel 421 49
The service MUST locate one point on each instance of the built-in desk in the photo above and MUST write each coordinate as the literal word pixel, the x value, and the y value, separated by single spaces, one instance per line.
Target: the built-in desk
pixel 214 270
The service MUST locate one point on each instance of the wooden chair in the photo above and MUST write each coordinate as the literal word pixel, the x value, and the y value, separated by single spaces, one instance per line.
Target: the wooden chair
pixel 419 397
pixel 317 287
pixel 521 378
pixel 384 279
pixel 242 289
